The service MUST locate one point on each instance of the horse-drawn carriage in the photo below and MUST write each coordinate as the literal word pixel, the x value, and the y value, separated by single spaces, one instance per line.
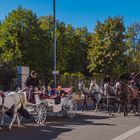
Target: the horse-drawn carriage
pixel 42 105
pixel 45 105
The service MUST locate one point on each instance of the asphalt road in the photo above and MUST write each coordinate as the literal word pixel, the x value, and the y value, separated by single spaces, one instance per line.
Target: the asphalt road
pixel 85 126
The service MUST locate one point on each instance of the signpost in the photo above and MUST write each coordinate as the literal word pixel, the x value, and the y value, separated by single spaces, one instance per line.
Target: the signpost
pixel 55 72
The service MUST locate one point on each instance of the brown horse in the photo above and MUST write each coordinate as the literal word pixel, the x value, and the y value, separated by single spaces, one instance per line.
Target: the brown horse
pixel 128 95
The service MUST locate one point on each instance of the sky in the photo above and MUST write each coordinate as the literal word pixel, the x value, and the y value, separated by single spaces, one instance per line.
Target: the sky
pixel 79 13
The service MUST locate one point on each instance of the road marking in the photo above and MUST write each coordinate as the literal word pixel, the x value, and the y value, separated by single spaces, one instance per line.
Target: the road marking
pixel 127 134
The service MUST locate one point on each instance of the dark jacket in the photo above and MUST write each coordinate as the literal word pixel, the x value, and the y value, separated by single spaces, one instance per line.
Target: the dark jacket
pixel 59 93
pixel 34 82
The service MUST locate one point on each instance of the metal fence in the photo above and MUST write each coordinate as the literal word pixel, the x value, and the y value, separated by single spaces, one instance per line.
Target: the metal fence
pixel 9 81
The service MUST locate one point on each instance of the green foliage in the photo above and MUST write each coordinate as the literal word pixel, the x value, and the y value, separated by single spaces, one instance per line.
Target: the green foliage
pixel 27 40
pixel 20 38
pixel 71 48
pixel 7 77
pixel 71 80
pixel 72 45
pixel 133 43
pixel 107 48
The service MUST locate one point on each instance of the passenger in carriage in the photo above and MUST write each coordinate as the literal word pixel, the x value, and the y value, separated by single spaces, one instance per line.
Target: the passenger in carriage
pixel 60 92
pixel 50 90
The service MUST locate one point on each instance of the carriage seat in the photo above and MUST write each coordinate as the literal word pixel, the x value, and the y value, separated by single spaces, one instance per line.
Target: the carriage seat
pixel 53 96
pixel 46 96
pixel 67 90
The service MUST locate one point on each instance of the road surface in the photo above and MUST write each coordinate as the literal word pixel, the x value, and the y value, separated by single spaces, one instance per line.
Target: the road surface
pixel 85 126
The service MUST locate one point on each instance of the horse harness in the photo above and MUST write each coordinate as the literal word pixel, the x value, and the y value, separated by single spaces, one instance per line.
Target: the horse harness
pixel 3 99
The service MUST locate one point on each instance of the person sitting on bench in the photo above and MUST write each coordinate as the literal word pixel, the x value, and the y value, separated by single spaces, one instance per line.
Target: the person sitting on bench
pixel 50 90
pixel 61 93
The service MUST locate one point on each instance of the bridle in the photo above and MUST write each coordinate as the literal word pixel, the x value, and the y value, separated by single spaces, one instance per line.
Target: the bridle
pixel 2 96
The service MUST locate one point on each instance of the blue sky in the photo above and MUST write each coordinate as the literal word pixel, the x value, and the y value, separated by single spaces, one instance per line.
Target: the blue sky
pixel 79 13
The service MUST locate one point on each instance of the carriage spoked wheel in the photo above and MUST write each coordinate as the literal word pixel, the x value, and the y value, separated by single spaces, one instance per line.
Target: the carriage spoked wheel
pixel 71 108
pixel 40 114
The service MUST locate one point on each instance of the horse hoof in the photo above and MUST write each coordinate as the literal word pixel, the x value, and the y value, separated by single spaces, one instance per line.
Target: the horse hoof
pixel 109 113
pixel 136 113
pixel 131 112
pixel 10 129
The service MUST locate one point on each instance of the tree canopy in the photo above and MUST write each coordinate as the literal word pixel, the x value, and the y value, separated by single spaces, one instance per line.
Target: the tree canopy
pixel 111 48
pixel 107 53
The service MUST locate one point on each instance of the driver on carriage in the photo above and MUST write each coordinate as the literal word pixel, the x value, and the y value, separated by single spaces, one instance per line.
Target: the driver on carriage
pixel 32 83
pixel 134 80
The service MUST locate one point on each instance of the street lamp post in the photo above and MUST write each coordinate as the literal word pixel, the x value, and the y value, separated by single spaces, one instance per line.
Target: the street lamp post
pixel 54 40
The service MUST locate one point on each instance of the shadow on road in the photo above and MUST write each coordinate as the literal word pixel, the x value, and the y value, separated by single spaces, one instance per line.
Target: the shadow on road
pixel 52 129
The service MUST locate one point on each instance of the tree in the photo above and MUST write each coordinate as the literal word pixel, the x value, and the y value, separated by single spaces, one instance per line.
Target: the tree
pixel 72 45
pixel 20 38
pixel 133 42
pixel 107 53
pixel 28 40
pixel 46 26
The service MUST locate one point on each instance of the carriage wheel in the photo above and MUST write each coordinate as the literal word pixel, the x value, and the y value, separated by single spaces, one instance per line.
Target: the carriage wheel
pixel 40 114
pixel 71 108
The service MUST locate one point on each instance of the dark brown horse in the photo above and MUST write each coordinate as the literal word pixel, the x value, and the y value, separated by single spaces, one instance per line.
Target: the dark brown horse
pixel 128 95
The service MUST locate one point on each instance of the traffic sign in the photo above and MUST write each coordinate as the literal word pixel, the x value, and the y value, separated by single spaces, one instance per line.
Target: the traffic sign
pixel 55 72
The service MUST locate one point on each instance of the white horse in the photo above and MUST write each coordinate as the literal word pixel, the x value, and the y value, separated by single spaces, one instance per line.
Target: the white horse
pixel 84 93
pixel 96 92
pixel 11 102
pixel 84 90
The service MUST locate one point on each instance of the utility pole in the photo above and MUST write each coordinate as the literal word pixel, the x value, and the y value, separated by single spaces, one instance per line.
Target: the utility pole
pixel 54 40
